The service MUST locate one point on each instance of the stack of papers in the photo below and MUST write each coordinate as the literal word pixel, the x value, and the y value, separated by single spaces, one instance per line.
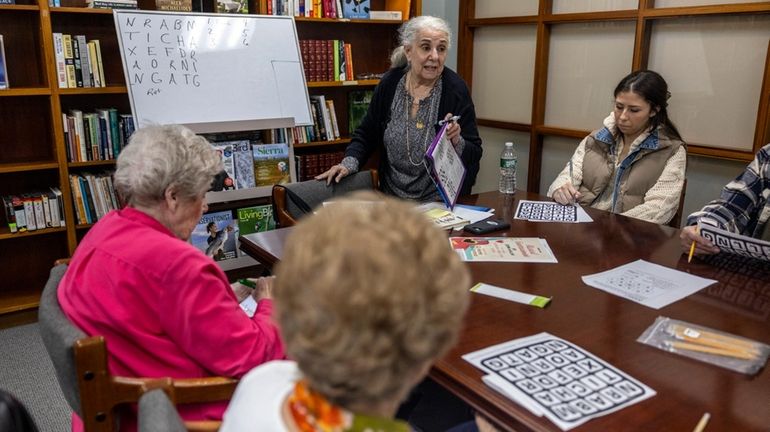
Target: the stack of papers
pixel 462 215
pixel 552 377
pixel 445 219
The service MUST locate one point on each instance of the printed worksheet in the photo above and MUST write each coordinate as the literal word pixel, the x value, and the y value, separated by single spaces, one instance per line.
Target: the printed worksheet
pixel 650 284
pixel 549 211
pixel 553 377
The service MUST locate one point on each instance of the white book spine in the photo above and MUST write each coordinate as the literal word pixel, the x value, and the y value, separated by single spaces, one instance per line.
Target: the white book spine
pixel 53 207
pixel 46 210
pixel 61 71
pixel 29 213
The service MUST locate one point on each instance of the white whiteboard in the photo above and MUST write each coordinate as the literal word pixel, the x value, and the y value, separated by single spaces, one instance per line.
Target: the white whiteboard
pixel 213 72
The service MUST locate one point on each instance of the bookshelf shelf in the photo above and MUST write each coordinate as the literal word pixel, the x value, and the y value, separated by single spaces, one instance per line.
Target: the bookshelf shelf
pixel 18 300
pixel 81 10
pixel 81 227
pixel 31 166
pixel 28 91
pixel 354 83
pixel 20 7
pixel 322 143
pixel 96 163
pixel 121 89
pixel 5 233
pixel 34 153
pixel 347 21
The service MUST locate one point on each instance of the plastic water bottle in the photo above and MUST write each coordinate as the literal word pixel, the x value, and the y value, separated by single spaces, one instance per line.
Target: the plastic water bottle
pixel 508 169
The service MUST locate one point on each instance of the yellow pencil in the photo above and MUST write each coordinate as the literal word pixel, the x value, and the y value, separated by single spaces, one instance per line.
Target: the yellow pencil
pixel 716 343
pixel 741 354
pixel 684 330
pixel 702 423
pixel 692 247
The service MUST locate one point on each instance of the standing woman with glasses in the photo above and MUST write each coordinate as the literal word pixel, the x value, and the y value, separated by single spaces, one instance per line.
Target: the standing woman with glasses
pixel 402 119
pixel 634 165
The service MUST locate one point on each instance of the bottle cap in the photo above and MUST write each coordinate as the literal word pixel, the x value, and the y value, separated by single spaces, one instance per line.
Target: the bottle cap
pixel 509 144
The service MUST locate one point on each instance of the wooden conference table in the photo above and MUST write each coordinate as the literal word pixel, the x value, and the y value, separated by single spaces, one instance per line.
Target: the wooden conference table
pixel 604 324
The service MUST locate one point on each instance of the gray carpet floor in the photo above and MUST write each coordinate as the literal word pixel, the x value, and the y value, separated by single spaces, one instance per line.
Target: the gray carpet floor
pixel 27 373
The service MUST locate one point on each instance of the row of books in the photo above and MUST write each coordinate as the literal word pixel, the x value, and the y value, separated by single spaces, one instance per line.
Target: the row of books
pixel 217 233
pixel 93 196
pixel 249 165
pixel 34 210
pixel 78 61
pixel 319 8
pixel 325 126
pixel 338 9
pixel 99 135
pixel 326 59
pixel 313 164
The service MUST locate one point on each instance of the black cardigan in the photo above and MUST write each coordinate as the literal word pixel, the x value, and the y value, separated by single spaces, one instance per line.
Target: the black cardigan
pixel 455 98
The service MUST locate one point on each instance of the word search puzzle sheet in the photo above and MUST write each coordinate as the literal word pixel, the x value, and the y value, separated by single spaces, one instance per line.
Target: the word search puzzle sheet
pixel 735 243
pixel 549 211
pixel 546 211
pixel 553 377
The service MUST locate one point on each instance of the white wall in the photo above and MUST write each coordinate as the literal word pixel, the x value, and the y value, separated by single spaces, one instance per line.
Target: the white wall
pixel 705 176
pixel 449 10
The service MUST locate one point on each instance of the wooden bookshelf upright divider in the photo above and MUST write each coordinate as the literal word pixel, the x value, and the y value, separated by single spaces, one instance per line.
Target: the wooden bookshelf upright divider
pixel 33 155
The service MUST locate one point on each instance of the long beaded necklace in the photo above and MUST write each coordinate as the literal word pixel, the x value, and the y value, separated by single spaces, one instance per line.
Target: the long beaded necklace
pixel 419 123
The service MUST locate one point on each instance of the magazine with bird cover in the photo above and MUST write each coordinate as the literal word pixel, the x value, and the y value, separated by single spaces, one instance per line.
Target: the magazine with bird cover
pixel 216 235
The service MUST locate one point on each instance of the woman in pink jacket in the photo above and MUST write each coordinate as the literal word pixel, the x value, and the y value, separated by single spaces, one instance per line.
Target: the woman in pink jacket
pixel 164 308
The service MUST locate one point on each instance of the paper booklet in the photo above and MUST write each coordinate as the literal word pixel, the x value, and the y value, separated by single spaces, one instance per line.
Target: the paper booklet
pixel 502 249
pixel 445 167
pixel 733 243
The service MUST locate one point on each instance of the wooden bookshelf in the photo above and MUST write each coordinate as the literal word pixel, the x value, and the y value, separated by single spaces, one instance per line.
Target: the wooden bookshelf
pixel 34 153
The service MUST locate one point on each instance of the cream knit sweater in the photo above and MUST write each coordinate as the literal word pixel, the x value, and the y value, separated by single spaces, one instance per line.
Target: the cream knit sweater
pixel 660 202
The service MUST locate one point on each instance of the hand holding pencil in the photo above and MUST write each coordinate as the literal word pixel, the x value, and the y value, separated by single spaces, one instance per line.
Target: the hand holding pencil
pixel 695 244
pixel 567 194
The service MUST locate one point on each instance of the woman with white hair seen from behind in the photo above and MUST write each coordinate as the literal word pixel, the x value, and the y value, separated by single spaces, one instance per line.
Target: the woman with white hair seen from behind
pixel 402 119
pixel 367 298
pixel 164 308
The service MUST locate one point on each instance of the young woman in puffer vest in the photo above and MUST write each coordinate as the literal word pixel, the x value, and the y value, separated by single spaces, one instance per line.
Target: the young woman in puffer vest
pixel 634 165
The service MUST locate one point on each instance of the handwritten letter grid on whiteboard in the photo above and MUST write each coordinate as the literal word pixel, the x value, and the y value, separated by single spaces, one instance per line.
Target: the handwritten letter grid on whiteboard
pixel 204 68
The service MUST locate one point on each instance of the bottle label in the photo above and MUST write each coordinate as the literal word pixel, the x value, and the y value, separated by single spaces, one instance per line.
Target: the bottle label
pixel 507 163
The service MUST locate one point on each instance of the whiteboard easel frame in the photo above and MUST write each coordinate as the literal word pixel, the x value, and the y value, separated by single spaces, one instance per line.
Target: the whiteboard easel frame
pixel 226 126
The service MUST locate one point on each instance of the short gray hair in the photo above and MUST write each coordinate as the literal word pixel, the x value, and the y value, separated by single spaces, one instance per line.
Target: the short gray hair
pixel 409 31
pixel 159 157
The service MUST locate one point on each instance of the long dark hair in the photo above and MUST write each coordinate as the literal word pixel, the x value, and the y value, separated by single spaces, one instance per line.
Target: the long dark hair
pixel 653 88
